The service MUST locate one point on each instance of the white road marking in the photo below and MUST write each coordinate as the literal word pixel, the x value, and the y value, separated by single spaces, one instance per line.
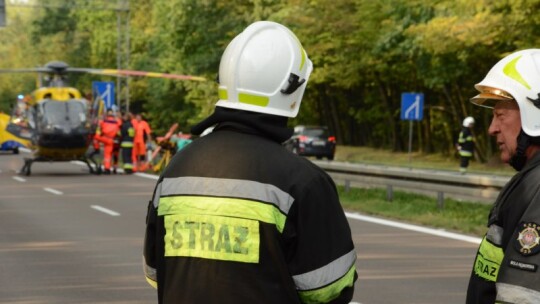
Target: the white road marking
pixel 146 175
pixel 53 191
pixel 19 179
pixel 105 210
pixel 441 233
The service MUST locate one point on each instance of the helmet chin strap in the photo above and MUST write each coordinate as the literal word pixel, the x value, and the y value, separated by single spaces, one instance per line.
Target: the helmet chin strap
pixel 519 159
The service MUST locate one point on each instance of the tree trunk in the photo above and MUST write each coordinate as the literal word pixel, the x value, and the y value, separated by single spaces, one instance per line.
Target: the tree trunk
pixel 390 119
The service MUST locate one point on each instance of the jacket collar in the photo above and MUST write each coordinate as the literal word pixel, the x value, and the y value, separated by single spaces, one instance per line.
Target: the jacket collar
pixel 271 126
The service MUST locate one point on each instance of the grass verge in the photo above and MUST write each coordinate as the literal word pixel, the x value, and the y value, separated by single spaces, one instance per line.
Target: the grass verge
pixel 463 217
pixel 418 160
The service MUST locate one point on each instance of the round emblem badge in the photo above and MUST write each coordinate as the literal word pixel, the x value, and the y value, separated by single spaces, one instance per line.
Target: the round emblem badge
pixel 528 239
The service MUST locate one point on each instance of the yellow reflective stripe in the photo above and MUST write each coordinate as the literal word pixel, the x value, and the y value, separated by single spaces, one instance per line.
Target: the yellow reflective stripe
pixel 303 54
pixel 465 153
pixel 150 274
pixel 511 71
pixel 222 93
pixel 261 101
pixel 303 60
pixel 330 292
pixel 220 206
pixel 126 144
pixel 488 261
pixel 465 139
pixel 212 237
pixel 151 282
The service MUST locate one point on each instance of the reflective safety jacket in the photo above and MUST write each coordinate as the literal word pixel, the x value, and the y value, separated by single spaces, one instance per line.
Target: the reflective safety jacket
pixel 108 127
pixel 142 131
pixel 236 218
pixel 127 134
pixel 506 266
pixel 466 142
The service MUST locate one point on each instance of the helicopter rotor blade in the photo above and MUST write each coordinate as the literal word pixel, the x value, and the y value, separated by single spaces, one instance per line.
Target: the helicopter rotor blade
pixel 29 70
pixel 127 73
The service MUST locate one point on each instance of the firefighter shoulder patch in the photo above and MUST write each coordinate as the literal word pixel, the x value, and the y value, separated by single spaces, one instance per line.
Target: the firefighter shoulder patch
pixel 528 239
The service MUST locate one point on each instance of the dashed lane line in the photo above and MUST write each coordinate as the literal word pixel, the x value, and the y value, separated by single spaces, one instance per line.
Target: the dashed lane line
pixel 53 191
pixel 19 179
pixel 146 175
pixel 105 210
pixel 356 216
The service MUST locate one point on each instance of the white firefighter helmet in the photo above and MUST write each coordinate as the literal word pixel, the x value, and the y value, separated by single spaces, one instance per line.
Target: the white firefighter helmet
pixel 515 77
pixel 468 121
pixel 264 69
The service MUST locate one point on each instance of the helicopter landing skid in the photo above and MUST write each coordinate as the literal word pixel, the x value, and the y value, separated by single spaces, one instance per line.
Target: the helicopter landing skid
pixel 26 168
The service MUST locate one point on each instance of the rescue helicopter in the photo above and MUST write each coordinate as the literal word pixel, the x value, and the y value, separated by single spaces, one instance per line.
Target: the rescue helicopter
pixel 55 121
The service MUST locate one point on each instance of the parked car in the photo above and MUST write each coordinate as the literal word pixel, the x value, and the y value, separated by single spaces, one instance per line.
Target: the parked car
pixel 312 141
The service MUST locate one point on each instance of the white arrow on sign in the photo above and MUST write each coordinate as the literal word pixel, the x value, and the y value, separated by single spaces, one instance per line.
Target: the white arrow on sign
pixel 414 106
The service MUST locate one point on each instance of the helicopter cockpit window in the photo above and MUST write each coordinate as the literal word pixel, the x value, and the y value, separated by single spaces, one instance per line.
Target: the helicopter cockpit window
pixel 64 116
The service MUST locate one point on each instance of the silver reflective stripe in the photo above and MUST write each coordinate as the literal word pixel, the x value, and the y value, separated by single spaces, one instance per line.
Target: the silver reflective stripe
pixel 508 293
pixel 326 274
pixel 149 271
pixel 494 234
pixel 236 188
pixel 157 195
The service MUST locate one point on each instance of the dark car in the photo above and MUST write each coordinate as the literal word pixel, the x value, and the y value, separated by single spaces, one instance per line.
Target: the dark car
pixel 312 141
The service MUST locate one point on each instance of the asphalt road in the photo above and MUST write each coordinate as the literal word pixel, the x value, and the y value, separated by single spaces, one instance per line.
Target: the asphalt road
pixel 70 237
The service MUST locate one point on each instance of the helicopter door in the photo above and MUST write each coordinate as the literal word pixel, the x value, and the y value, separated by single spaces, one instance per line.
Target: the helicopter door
pixel 21 123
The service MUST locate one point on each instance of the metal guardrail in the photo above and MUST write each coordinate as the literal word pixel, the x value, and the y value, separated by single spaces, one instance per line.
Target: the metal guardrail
pixel 469 187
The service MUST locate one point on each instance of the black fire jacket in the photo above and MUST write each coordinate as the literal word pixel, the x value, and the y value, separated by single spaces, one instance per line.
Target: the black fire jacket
pixel 236 218
pixel 506 266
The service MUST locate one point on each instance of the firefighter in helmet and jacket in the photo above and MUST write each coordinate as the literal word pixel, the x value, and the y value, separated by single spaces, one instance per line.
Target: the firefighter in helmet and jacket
pixel 465 144
pixel 235 217
pixel 505 269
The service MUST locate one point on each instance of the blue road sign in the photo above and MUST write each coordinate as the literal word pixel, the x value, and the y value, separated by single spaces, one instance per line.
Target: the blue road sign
pixel 104 90
pixel 412 106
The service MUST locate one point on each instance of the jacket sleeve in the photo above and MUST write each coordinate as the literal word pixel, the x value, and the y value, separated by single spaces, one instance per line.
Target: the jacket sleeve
pixel 322 258
pixel 149 254
pixel 518 280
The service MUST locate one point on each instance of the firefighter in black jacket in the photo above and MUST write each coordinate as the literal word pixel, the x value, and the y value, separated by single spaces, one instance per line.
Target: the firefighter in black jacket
pixel 235 217
pixel 465 144
pixel 505 269
pixel 127 133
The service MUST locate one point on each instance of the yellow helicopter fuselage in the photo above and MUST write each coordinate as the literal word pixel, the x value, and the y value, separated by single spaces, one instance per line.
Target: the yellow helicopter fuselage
pixel 62 132
pixel 8 140
pixel 55 93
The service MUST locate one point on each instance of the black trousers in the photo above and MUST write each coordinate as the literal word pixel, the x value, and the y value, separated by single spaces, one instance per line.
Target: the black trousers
pixel 127 160
pixel 464 162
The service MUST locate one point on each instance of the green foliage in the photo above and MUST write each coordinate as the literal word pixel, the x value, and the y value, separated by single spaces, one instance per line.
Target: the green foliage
pixel 365 54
